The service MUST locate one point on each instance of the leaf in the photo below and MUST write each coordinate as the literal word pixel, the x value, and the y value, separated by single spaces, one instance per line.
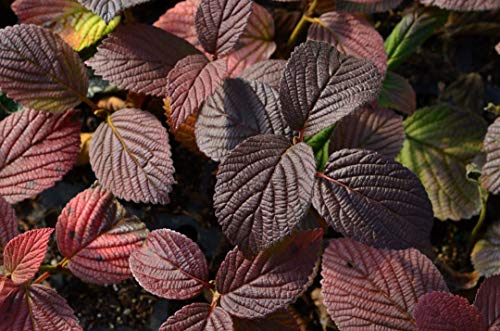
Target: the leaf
pixel 414 28
pixel 376 129
pixel 367 6
pixel 108 9
pixel 440 142
pixel 78 26
pixel 8 225
pixel 258 286
pixel 130 155
pixel 138 57
pixel 491 169
pixel 268 72
pixel 280 320
pixel 467 92
pixel 464 5
pixel 263 190
pixel 39 70
pixel 238 110
pixel 37 308
pixel 220 24
pixel 320 143
pixel 36 150
pixel 255 44
pixel 320 86
pixel 373 199
pixel 185 133
pixel 199 317
pixel 179 21
pixel 486 253
pixel 24 254
pixel 190 82
pixel 351 35
pixel 170 265
pixel 97 235
pixel 397 94
pixel 488 303
pixel 365 287
pixel 445 311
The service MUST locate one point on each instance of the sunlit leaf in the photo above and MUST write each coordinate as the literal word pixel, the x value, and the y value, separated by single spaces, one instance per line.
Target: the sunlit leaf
pixel 491 169
pixel 199 317
pixel 179 21
pixel 108 9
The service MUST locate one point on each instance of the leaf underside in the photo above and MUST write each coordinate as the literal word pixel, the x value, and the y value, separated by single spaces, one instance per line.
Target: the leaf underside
pixel 491 169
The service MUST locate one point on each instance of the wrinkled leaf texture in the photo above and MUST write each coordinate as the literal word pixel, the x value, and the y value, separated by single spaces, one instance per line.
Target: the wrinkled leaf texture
pixel 464 5
pixel 36 150
pixel 397 94
pixel 8 225
pixel 199 317
pixel 486 253
pixel 39 70
pixel 130 155
pixel 488 303
pixel 268 72
pixel 364 287
pixel 107 9
pixel 491 169
pixel 179 21
pixel 367 6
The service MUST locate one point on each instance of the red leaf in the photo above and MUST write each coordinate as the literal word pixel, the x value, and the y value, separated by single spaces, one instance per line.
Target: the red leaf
pixel 488 302
pixel 170 265
pixel 24 254
pixel 199 317
pixel 7 287
pixel 8 224
pixel 445 311
pixel 97 235
pixel 364 287
pixel 258 286
pixel 130 155
pixel 37 308
pixel 36 150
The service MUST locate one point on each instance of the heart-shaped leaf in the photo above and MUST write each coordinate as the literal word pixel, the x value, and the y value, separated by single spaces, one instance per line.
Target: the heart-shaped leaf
pixel 491 169
pixel 39 70
pixel 199 317
pixel 263 190
pixel 397 94
pixel 365 287
pixel 486 253
pixel 97 235
pixel 464 5
pixel 268 72
pixel 23 255
pixel 373 199
pixel 138 57
pixel 8 225
pixel 281 320
pixel 258 286
pixel 320 86
pixel 170 265
pixel 179 21
pixel 36 150
pixel 488 303
pixel 130 155
pixel 367 6
pixel 108 9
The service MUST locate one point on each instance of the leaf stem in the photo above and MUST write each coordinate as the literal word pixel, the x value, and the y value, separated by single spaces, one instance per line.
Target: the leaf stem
pixel 302 23
pixel 474 237
pixel 50 270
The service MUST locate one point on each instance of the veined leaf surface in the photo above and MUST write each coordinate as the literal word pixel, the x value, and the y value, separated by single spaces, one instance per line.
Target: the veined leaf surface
pixel 108 9
pixel 199 317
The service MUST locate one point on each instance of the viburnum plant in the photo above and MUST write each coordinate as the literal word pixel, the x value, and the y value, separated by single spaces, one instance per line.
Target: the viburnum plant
pixel 324 134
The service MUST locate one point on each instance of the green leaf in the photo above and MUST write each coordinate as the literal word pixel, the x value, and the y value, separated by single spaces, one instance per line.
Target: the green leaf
pixel 440 142
pixel 320 143
pixel 415 28
pixel 397 94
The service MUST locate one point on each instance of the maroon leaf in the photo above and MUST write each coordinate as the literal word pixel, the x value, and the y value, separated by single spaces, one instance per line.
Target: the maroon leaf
pixel 397 94
pixel 220 23
pixel 367 6
pixel 365 287
pixel 37 308
pixel 491 169
pixel 445 311
pixel 179 21
pixel 190 82
pixel 7 287
pixel 96 234
pixel 464 5
pixel 108 9
pixel 239 109
pixel 488 302
pixel 269 72
pixel 36 150
pixel 351 35
pixel 138 57
pixel 199 317
pixel 39 70
pixel 24 254
pixel 376 129
pixel 170 265
pixel 320 86
pixel 259 286
pixel 130 155
pixel 281 320
pixel 263 190
pixel 374 200
pixel 8 225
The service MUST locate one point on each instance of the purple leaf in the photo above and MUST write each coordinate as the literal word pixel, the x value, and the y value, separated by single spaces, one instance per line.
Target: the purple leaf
pixel 190 82
pixel 108 9
pixel 39 70
pixel 374 200
pixel 37 308
pixel 199 317
pixel 491 169
pixel 220 23
pixel 365 287
pixel 179 21
pixel 352 35
pixel 36 150
pixel 263 190
pixel 138 57
pixel 397 94
pixel 238 110
pixel 488 302
pixel 130 155
pixel 170 265
pixel 281 320
pixel 96 234
pixel 8 225
pixel 24 254
pixel 367 6
pixel 320 86
pixel 464 5
pixel 7 287
pixel 258 286
pixel 445 311
pixel 376 129
pixel 268 72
